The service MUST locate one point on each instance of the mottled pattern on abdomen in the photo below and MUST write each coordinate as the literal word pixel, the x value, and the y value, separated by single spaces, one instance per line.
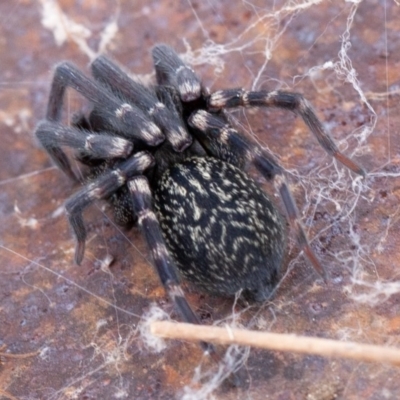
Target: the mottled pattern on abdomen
pixel 220 227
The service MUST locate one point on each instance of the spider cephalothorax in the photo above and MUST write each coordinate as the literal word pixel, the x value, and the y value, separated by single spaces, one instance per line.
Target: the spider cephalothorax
pixel 170 148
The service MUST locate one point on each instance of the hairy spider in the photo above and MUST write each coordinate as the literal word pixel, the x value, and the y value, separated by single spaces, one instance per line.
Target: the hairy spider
pixel 170 148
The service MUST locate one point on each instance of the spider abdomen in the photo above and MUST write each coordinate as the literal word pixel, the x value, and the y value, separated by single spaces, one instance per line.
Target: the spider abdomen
pixel 221 228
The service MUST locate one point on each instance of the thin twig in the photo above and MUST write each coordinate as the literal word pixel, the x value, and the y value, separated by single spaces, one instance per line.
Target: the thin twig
pixel 277 341
pixel 13 355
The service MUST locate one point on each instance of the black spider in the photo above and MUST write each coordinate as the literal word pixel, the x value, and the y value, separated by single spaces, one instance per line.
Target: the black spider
pixel 170 148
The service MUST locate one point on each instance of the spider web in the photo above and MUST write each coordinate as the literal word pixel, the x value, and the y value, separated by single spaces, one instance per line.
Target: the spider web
pixel 88 323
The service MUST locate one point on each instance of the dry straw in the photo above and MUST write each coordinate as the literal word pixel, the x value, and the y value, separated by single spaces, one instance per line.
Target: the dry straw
pixel 276 341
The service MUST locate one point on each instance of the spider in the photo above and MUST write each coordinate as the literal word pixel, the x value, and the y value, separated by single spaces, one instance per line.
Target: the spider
pixel 167 158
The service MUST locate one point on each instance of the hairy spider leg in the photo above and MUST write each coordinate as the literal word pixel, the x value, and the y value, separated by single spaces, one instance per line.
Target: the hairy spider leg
pixel 126 119
pixel 163 262
pixel 172 71
pixel 113 77
pixel 99 145
pixel 288 101
pixel 103 187
pixel 224 142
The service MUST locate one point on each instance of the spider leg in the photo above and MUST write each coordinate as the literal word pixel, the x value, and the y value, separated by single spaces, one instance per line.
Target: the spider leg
pixel 98 145
pixel 102 188
pixel 119 82
pixel 224 142
pixel 172 71
pixel 124 118
pixel 289 101
pixel 163 262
